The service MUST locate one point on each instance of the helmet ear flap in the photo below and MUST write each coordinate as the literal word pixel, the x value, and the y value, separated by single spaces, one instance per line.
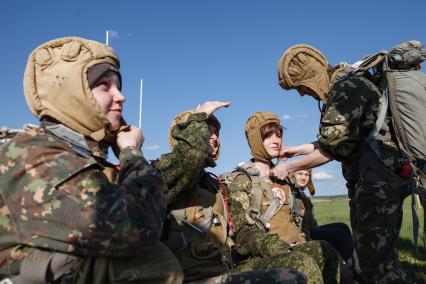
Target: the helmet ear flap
pixel 310 185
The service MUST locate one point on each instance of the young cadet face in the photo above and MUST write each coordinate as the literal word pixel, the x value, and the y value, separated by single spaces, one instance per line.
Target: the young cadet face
pixel 302 178
pixel 109 98
pixel 214 142
pixel 272 143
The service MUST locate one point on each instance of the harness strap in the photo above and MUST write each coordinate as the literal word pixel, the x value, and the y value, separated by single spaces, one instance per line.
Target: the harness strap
pixel 272 209
pixel 39 267
pixel 187 232
pixel 262 220
pixel 224 196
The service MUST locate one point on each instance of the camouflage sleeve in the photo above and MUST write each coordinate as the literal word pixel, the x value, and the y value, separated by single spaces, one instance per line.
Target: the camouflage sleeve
pixel 182 167
pixel 64 202
pixel 117 220
pixel 351 113
pixel 249 239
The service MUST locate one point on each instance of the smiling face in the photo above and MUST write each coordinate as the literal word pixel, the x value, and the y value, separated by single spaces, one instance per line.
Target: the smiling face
pixel 107 93
pixel 302 178
pixel 214 142
pixel 272 139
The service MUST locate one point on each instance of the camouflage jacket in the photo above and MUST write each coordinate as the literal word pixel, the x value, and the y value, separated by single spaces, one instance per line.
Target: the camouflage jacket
pixel 196 227
pixel 184 165
pixel 347 119
pixel 53 197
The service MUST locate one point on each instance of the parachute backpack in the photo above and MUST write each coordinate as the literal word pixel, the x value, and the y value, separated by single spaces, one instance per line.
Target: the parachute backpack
pixel 403 86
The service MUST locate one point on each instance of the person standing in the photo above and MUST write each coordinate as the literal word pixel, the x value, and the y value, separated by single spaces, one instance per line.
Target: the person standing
pixel 375 185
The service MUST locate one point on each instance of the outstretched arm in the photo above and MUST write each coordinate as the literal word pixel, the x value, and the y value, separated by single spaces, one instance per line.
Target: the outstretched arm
pixel 314 159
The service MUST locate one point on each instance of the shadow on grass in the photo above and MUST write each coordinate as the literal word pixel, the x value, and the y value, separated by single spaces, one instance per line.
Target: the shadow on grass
pixel 414 263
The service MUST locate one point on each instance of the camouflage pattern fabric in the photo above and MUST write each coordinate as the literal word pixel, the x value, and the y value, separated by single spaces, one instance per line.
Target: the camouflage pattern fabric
pixel 155 265
pixel 273 275
pixel 351 111
pixel 376 218
pixel 183 170
pixel 284 260
pixel 263 247
pixel 325 257
pixel 191 189
pixel 53 198
pixel 375 190
pixel 182 167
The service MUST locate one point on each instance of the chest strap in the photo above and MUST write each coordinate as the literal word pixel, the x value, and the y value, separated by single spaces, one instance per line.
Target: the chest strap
pixel 40 266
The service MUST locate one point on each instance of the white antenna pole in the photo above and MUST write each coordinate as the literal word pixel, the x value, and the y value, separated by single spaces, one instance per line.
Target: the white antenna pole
pixel 140 105
pixel 107 37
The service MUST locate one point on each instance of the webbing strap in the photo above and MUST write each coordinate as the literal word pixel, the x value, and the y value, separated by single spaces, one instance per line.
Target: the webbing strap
pixel 381 117
pixel 188 232
pixel 179 214
pixel 39 265
pixel 272 209
pixel 415 221
pixel 34 267
pixel 257 194
pixel 369 62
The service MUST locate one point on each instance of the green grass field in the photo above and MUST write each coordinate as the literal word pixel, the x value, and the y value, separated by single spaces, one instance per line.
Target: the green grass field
pixel 336 209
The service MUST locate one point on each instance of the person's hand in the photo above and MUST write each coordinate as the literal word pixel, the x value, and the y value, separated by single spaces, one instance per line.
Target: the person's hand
pixel 131 137
pixel 280 171
pixel 288 152
pixel 210 107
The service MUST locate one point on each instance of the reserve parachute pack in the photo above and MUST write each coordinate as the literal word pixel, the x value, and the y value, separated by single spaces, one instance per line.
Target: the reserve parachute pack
pixel 403 86
pixel 260 190
pixel 198 229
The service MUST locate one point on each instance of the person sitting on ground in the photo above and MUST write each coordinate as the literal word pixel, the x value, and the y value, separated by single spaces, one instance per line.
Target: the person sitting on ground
pixel 198 228
pixel 266 218
pixel 67 214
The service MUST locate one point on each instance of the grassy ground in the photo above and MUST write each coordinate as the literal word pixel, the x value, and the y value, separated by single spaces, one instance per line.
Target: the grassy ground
pixel 336 209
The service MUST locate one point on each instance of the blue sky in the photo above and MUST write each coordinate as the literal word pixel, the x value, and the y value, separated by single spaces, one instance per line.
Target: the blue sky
pixel 191 51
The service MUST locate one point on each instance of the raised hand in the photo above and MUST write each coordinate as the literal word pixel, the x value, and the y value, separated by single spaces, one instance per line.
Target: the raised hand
pixel 210 107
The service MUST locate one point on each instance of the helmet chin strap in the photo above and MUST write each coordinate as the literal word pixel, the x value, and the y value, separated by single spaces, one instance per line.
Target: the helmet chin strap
pixel 319 105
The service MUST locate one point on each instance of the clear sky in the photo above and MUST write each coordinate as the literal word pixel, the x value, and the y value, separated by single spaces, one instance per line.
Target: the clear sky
pixel 191 51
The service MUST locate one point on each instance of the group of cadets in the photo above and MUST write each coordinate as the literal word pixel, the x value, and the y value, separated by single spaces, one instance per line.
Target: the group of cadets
pixel 67 215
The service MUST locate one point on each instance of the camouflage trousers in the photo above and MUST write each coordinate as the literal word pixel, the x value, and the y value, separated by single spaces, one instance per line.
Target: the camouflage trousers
pixel 296 260
pixel 376 217
pixel 325 256
pixel 273 275
pixel 156 265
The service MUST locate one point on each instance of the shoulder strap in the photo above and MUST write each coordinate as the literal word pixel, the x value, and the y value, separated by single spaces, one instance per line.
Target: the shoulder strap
pixel 253 215
pixel 369 62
